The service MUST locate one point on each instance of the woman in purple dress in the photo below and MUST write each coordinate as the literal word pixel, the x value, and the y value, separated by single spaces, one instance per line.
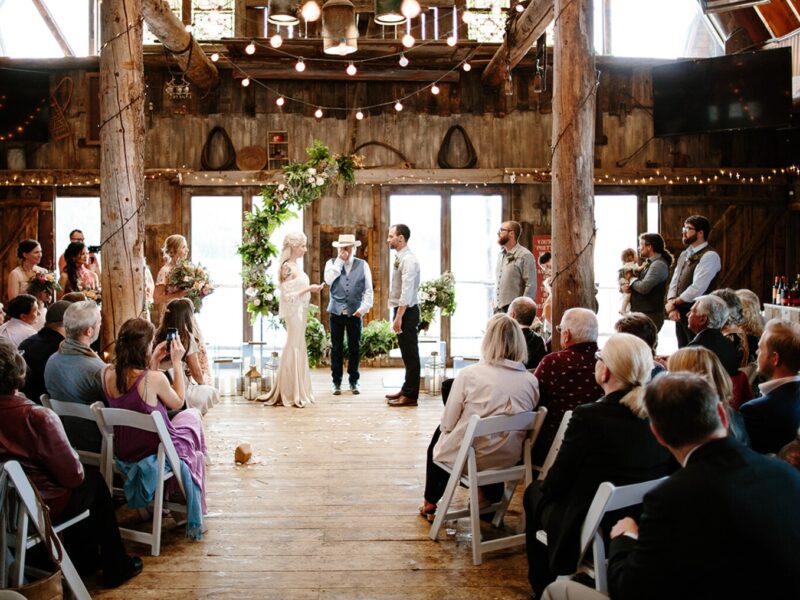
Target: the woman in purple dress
pixel 134 382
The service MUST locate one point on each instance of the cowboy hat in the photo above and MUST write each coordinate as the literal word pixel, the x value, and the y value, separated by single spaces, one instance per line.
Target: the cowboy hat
pixel 346 239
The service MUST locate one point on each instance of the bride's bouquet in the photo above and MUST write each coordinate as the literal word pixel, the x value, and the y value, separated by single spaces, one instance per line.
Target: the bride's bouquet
pixel 437 293
pixel 192 278
pixel 43 281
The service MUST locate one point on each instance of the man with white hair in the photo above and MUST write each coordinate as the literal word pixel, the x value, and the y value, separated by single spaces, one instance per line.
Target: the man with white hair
pixel 566 378
pixel 73 373
pixel 706 318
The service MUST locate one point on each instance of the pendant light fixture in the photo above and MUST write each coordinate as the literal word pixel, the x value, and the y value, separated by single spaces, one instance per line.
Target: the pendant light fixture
pixel 339 31
pixel 283 12
pixel 389 12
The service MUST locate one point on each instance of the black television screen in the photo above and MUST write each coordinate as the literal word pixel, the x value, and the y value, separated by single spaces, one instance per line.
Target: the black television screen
pixel 740 91
pixel 24 105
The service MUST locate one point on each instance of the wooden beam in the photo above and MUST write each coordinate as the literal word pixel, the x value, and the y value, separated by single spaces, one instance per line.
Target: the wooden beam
pixel 520 36
pixel 758 238
pixel 187 52
pixel 54 28
pixel 326 74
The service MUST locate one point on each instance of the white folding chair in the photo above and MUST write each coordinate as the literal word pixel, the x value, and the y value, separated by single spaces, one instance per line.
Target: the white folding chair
pixel 531 422
pixel 78 411
pixel 107 419
pixel 608 498
pixel 30 509
pixel 554 447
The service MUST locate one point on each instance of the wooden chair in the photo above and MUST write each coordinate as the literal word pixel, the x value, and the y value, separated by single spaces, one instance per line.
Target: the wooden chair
pixel 608 498
pixel 30 510
pixel 466 460
pixel 107 419
pixel 78 411
pixel 554 447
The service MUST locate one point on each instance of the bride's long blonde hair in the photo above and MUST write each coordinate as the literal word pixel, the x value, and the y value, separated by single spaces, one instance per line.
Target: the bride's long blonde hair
pixel 292 240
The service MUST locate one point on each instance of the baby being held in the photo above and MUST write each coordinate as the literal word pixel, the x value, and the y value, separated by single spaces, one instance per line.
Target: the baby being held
pixel 630 269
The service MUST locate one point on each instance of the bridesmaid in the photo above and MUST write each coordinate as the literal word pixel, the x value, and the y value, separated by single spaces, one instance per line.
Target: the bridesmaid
pixel 76 276
pixel 174 249
pixel 29 254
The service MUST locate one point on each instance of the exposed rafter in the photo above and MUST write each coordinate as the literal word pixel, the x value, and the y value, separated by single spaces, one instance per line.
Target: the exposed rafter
pixel 53 27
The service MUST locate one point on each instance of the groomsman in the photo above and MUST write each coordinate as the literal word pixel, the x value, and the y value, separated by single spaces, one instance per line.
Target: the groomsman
pixel 516 268
pixel 350 282
pixel 403 299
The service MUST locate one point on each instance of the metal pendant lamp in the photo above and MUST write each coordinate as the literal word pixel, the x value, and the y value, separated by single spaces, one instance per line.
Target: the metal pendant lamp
pixel 283 12
pixel 339 31
pixel 388 12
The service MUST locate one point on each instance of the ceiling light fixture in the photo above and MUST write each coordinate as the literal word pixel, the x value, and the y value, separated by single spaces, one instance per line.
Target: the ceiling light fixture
pixel 339 31
pixel 283 12
pixel 389 12
pixel 310 11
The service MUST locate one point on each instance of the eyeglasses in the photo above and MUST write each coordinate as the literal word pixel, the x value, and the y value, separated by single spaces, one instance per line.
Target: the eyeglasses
pixel 686 228
pixel 598 356
pixel 76 240
pixel 504 229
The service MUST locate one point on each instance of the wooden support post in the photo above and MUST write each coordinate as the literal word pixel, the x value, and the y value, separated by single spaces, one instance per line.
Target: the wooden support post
pixel 574 87
pixel 121 164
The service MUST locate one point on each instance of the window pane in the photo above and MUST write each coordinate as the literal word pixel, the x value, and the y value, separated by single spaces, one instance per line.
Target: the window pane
pixel 473 252
pixel 423 215
pixel 77 213
pixel 23 31
pixel 216 233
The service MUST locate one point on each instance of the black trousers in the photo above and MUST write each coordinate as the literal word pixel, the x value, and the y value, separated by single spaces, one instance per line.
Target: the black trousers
pixel 540 575
pixel 94 542
pixel 409 350
pixel 352 326
pixel 682 331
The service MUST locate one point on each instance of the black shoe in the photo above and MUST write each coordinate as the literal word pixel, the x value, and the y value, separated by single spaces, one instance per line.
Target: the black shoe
pixel 337 390
pixel 135 566
pixel 354 389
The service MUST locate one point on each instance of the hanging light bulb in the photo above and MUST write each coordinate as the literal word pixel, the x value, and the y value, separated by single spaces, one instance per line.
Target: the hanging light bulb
pixel 466 66
pixel 245 82
pixel 215 57
pixel 410 9
pixel 351 69
pixel 250 48
pixel 318 113
pixel 300 66
pixel 359 115
pixel 451 40
pixel 280 101
pixel 276 41
pixel 189 28
pixel 520 7
pixel 466 17
pixel 403 60
pixel 398 106
pixel 408 40
pixel 310 11
pixel 435 89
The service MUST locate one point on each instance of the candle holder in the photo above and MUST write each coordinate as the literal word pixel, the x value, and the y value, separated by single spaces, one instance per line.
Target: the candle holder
pixel 252 383
pixel 271 370
pixel 434 374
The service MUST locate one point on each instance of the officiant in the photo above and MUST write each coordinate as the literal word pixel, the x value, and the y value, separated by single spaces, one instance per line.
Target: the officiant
pixel 351 297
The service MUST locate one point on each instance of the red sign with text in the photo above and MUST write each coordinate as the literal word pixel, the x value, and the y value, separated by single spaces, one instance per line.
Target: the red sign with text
pixel 541 244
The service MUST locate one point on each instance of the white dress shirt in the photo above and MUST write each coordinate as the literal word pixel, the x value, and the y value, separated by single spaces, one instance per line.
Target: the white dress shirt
pixel 16 330
pixel 333 268
pixel 405 280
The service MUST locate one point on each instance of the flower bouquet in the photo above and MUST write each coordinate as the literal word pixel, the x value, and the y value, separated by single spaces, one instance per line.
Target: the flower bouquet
pixel 192 278
pixel 262 296
pixel 436 293
pixel 43 281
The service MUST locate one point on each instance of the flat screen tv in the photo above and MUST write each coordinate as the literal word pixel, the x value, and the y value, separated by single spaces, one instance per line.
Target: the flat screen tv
pixel 742 91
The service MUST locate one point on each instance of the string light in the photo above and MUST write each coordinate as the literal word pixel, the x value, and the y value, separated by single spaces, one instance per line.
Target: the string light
pixel 188 28
pixel 398 106
pixel 466 66
pixel 408 39
pixel 276 41
pixel 215 57
pixel 310 11
pixel 351 69
pixel 359 115
pixel 245 82
pixel 520 7
pixel 451 40
pixel 250 48
pixel 403 60
pixel 280 101
pixel 318 113
pixel 435 89
pixel 410 9
pixel 300 66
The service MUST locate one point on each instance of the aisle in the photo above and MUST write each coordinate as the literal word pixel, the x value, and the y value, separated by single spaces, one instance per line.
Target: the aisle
pixel 327 510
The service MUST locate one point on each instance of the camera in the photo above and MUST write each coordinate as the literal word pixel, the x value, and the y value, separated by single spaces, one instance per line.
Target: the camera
pixel 93 249
pixel 171 334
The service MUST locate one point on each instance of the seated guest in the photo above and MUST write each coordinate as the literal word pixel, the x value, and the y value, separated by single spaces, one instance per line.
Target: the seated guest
pixel 791 452
pixel 523 311
pixel 607 440
pixel 706 317
pixel 73 373
pixel 699 360
pixel 134 382
pixel 23 311
pixel 772 419
pixel 745 344
pixel 74 297
pixel 643 327
pixel 726 525
pixel 179 315
pixel 498 385
pixel 38 348
pixel 566 378
pixel 33 435
pixel 752 322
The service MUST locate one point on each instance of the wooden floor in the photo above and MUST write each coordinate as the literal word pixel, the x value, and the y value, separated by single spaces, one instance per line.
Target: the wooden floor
pixel 327 509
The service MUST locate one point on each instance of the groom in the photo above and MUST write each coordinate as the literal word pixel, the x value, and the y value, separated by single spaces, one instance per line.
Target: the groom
pixel 403 299
pixel 350 282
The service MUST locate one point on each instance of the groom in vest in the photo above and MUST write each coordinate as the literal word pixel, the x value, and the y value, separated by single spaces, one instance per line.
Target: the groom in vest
pixel 695 275
pixel 350 282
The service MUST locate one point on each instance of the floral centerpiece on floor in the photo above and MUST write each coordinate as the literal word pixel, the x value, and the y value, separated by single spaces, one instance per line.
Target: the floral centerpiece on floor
pixel 318 342
pixel 43 281
pixel 436 293
pixel 192 278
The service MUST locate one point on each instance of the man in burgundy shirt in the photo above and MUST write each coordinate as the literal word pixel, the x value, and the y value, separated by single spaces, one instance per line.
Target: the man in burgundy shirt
pixel 566 378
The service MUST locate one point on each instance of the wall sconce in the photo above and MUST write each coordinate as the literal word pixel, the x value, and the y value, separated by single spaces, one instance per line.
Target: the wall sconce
pixel 283 12
pixel 339 31
pixel 389 12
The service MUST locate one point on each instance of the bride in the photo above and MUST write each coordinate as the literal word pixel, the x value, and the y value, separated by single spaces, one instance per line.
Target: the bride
pixel 292 386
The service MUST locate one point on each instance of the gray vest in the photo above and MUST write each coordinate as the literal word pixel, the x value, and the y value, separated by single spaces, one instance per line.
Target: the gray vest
pixel 347 290
pixel 685 269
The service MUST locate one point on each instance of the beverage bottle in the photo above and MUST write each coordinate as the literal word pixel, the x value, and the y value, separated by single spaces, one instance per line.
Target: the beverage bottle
pixel 775 290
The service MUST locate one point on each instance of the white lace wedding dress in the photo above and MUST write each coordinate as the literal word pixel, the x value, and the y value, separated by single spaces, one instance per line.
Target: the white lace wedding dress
pixel 292 386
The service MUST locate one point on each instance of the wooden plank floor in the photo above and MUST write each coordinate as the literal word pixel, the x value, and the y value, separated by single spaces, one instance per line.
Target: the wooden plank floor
pixel 326 510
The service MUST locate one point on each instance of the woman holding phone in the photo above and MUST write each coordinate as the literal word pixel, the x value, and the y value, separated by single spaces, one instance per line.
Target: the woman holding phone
pixel 292 386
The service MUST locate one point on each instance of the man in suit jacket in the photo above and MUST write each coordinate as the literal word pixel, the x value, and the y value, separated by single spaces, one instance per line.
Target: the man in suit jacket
pixel 773 418
pixel 724 526
pixel 706 318
pixel 516 267
pixel 523 311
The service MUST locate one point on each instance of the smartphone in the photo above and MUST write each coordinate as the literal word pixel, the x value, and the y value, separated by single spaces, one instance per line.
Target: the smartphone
pixel 171 334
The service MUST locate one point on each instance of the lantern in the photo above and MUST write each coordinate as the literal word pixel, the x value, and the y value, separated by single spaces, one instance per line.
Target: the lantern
pixel 389 12
pixel 252 383
pixel 283 12
pixel 434 374
pixel 339 31
pixel 271 370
